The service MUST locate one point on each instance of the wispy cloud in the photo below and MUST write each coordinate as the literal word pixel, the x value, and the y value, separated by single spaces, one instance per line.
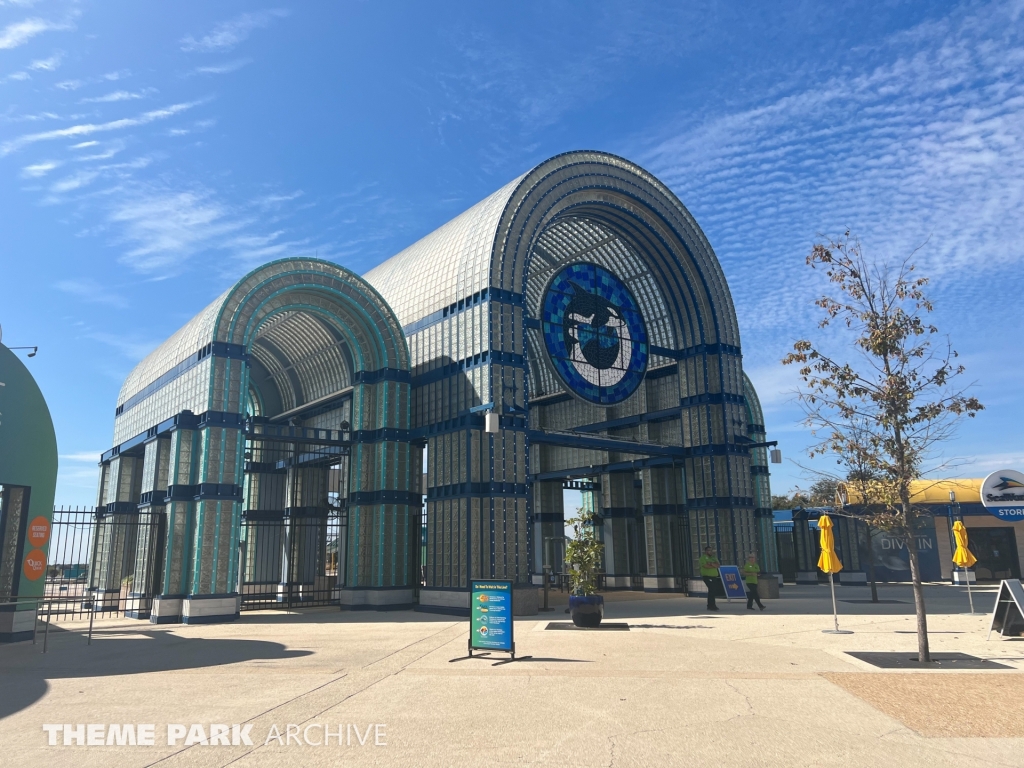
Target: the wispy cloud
pixel 73 182
pixel 83 456
pixel 91 291
pixel 921 140
pixel 36 170
pixel 228 34
pixel 119 96
pixel 127 344
pixel 88 128
pixel 166 227
pixel 20 32
pixel 221 69
pixel 46 65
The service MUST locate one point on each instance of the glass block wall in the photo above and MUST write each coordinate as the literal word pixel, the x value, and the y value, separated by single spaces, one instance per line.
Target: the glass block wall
pixel 469 297
pixel 298 343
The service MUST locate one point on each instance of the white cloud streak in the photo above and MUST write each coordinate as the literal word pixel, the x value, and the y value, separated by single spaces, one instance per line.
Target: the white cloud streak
pixel 228 34
pixel 922 139
pixel 166 227
pixel 39 169
pixel 83 456
pixel 221 69
pixel 20 32
pixel 46 65
pixel 118 96
pixel 91 291
pixel 86 129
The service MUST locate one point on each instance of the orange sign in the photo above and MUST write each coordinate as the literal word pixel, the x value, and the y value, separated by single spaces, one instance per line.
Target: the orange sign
pixel 35 564
pixel 39 531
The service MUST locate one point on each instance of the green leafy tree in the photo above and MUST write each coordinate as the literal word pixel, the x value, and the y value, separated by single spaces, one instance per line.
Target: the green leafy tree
pixel 823 491
pixel 884 412
pixel 583 554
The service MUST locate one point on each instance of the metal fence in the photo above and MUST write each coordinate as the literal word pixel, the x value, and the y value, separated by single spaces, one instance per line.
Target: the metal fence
pixel 98 563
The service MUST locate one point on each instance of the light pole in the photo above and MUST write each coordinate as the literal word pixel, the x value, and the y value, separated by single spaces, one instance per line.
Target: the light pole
pixel 954 512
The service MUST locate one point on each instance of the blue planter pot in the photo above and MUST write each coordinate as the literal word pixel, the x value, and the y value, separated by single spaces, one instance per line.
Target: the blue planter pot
pixel 586 611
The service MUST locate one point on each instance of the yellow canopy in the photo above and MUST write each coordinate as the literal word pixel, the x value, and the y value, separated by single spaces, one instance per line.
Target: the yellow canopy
pixel 828 562
pixel 962 557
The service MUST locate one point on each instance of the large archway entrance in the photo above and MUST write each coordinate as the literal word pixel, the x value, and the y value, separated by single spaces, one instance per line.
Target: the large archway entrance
pixel 582 305
pixel 268 441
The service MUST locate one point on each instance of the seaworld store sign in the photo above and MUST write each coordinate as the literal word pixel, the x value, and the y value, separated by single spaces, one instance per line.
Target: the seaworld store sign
pixel 1002 493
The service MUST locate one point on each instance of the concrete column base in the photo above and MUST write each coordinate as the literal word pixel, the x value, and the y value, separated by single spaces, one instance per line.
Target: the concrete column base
pixel 450 601
pixel 380 599
pixel 618 582
pixel 807 577
pixel 165 610
pixel 138 606
pixel 106 600
pixel 958 577
pixel 525 601
pixel 853 578
pixel 203 609
pixel 696 588
pixel 17 626
pixel 662 584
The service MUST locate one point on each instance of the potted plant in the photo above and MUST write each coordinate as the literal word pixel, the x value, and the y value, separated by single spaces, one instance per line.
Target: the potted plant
pixel 583 557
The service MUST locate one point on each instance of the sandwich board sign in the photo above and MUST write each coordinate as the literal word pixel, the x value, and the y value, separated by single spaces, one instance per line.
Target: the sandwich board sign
pixel 1008 613
pixel 490 617
pixel 732 582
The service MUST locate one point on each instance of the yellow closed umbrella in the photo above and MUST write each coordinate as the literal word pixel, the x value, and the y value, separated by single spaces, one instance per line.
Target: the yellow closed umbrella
pixel 962 557
pixel 829 563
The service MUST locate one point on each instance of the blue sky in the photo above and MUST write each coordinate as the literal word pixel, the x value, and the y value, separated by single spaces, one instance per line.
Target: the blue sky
pixel 150 154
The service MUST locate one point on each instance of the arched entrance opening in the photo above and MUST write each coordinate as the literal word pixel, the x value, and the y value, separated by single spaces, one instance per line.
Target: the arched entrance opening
pixel 267 441
pixel 584 308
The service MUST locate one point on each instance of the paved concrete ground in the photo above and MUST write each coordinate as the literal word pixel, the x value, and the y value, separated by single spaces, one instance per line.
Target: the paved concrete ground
pixel 682 687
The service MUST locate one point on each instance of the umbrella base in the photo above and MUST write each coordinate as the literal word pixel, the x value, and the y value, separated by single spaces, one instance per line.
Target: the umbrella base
pixel 837 631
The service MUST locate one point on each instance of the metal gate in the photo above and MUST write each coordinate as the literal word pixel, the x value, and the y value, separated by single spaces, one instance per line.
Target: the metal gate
pixel 292 548
pixel 102 563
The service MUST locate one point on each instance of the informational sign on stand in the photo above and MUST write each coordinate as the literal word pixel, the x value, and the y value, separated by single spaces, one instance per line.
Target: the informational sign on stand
pixel 1008 613
pixel 490 617
pixel 732 581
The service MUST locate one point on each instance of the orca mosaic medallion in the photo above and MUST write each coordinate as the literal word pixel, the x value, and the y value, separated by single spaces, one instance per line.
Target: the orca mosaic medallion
pixel 594 333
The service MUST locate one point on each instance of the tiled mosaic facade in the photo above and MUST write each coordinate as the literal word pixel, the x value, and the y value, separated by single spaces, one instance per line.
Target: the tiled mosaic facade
pixel 587 251
pixel 470 296
pixel 298 345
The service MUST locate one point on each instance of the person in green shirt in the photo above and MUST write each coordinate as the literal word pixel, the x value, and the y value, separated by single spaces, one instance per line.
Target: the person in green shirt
pixel 750 572
pixel 712 579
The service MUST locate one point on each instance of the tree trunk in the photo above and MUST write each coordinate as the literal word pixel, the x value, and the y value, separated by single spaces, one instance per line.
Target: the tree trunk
pixel 923 653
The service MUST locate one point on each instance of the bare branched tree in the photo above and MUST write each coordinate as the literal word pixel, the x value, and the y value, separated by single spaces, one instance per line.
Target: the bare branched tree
pixel 884 413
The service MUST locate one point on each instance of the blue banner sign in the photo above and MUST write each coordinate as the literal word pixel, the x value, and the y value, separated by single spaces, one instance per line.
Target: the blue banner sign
pixel 490 616
pixel 732 581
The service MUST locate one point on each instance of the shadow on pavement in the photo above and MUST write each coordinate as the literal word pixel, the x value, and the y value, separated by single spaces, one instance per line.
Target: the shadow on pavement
pixel 26 671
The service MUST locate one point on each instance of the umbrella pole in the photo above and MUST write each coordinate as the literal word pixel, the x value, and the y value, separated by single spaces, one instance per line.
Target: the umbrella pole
pixel 967 577
pixel 835 611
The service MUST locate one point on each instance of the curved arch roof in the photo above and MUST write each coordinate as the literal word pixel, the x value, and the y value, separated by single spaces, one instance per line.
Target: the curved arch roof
pixel 450 263
pixel 753 401
pixel 185 341
pixel 288 304
pixel 492 244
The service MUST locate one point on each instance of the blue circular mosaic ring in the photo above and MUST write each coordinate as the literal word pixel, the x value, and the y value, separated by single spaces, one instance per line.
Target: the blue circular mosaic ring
pixel 594 332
